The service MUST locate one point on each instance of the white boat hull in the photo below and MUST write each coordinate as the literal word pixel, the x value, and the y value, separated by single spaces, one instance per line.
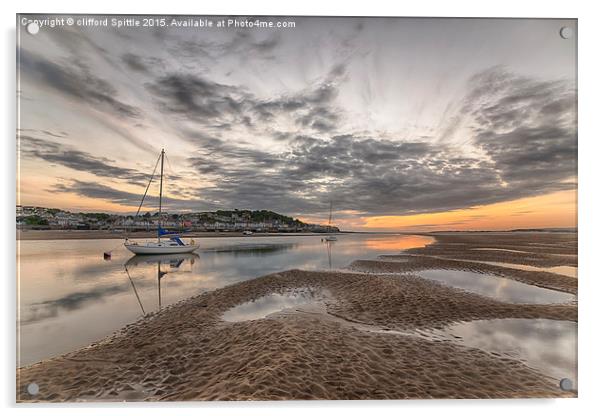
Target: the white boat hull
pixel 160 248
pixel 330 238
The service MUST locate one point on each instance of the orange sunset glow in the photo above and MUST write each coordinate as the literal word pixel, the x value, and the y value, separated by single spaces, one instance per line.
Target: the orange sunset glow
pixel 546 211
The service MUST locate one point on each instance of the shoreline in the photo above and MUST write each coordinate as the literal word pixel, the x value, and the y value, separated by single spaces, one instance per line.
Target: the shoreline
pixel 31 235
pixel 189 352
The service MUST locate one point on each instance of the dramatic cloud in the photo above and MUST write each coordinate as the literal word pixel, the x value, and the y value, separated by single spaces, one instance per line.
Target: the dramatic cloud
pixel 510 119
pixel 343 110
pixel 215 105
pixel 243 45
pixel 358 173
pixel 106 193
pixel 134 62
pixel 69 157
pixel 76 80
pixel 527 127
pixel 528 154
pixel 197 98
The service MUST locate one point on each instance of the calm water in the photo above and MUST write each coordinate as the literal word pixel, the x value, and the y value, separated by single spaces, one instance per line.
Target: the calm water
pixel 569 271
pixel 70 297
pixel 545 345
pixel 499 288
pixel 267 305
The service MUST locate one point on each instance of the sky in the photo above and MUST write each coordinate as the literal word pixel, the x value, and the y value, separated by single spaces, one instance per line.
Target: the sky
pixel 402 123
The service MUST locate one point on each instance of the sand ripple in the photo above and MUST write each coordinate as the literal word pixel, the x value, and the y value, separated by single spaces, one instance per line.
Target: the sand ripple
pixel 187 352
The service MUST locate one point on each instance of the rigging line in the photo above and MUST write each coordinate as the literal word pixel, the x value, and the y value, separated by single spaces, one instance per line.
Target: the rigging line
pixel 169 165
pixel 170 169
pixel 148 186
pixel 144 196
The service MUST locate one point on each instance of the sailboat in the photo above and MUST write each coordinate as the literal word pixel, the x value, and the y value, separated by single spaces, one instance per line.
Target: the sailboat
pixel 171 243
pixel 330 237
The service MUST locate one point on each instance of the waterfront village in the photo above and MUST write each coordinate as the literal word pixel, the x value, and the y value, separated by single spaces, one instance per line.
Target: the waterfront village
pixel 40 218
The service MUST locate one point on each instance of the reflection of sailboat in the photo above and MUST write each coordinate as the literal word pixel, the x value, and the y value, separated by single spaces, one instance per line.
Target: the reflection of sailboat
pixel 329 244
pixel 174 243
pixel 330 237
pixel 173 260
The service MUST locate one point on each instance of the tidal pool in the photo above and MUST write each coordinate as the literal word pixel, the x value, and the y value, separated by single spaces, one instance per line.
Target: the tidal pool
pixel 499 288
pixel 569 271
pixel 267 305
pixel 545 345
pixel 499 249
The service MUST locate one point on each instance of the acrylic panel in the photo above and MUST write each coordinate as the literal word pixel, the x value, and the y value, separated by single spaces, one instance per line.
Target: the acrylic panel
pixel 295 208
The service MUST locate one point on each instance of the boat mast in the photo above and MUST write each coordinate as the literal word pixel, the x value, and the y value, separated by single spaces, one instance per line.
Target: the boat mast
pixel 330 216
pixel 160 196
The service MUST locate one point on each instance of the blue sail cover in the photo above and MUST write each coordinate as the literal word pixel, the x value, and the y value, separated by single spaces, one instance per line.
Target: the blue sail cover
pixel 163 231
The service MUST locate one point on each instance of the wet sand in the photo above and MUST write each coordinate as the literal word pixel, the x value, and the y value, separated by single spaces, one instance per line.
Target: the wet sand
pixel 536 249
pixel 410 263
pixel 188 352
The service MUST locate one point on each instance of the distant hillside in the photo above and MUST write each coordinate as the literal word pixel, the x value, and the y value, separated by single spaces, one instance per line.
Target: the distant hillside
pixel 253 216
pixel 30 217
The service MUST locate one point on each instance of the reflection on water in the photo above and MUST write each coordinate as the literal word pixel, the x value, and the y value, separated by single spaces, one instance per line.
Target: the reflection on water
pixel 569 271
pixel 173 261
pixel 267 305
pixel 394 243
pixel 250 249
pixel 328 244
pixel 499 288
pixel 69 296
pixel 500 249
pixel 545 345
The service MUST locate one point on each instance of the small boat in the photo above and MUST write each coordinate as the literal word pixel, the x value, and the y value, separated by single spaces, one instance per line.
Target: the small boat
pixel 247 232
pixel 167 242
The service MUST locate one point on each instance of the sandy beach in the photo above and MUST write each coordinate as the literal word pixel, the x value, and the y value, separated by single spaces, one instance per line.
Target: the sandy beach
pixel 358 338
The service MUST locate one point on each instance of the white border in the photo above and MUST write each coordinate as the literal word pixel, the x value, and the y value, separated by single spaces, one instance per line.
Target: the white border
pixel 590 176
